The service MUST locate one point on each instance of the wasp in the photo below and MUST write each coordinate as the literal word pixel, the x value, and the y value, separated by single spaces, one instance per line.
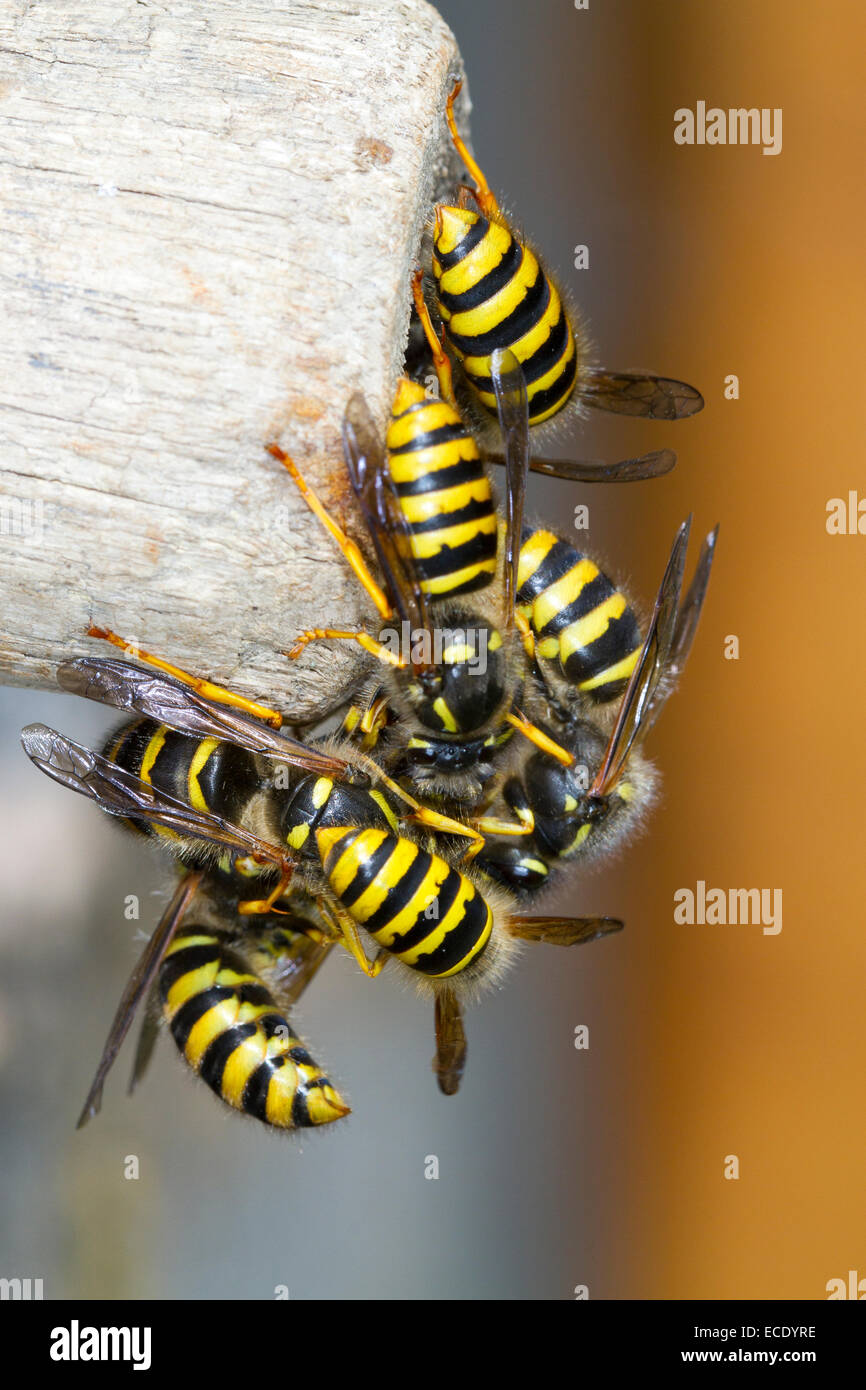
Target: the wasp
pixel 427 505
pixel 224 792
pixel 494 292
pixel 580 629
pixel 224 988
pixel 591 786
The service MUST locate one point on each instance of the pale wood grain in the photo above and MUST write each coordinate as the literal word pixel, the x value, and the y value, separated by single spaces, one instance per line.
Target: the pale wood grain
pixel 209 218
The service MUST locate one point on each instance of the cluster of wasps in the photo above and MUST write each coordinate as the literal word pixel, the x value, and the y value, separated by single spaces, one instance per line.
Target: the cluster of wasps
pixel 499 753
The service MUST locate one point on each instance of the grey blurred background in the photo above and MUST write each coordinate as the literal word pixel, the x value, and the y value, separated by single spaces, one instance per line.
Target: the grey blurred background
pixel 557 1167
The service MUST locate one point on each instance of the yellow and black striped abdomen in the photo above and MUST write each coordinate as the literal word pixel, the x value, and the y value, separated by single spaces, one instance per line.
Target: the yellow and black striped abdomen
pixel 230 1030
pixel 493 293
pixel 427 914
pixel 207 773
pixel 578 617
pixel 444 493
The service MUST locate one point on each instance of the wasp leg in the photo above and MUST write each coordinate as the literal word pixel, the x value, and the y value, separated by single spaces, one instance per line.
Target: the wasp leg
pixel 419 814
pixel 367 722
pixel 473 851
pixel 369 719
pixel 374 720
pixel 539 738
pixel 435 820
pixel 354 558
pixel 491 825
pixel 253 907
pixel 347 932
pixel 441 360
pixel 218 693
pixel 521 622
pixel 322 634
pixel 484 197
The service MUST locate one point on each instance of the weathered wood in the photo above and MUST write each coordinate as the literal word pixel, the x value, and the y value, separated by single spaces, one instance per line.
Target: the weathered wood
pixel 209 219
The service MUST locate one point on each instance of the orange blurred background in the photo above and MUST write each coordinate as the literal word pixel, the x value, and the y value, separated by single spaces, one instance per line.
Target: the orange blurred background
pixel 706 261
pixel 558 1167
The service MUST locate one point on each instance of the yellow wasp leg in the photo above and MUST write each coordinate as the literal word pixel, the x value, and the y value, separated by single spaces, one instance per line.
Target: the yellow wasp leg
pixel 433 820
pixel 316 935
pixel 490 825
pixel 484 197
pixel 423 815
pixel 441 361
pixel 474 849
pixel 539 738
pixel 369 720
pixel 218 693
pixel 521 622
pixel 374 719
pixel 350 937
pixel 255 906
pixel 353 555
pixel 321 634
pixel 466 198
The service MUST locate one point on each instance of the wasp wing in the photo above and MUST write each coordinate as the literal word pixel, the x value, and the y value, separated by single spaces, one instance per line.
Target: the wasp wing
pixel 121 793
pixel 145 691
pixel 653 465
pixel 282 952
pixel 287 954
pixel 690 609
pixel 512 407
pixel 686 627
pixel 632 719
pixel 563 931
pixel 148 1034
pixel 138 986
pixel 450 1059
pixel 371 483
pixel 640 394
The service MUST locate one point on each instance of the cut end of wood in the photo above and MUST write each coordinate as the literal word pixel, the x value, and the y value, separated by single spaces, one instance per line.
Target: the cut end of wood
pixel 209 231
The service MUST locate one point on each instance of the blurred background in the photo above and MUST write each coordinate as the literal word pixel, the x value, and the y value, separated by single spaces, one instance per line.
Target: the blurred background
pixel 558 1167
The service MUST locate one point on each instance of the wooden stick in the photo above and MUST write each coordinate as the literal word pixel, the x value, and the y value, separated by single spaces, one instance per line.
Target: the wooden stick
pixel 210 217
